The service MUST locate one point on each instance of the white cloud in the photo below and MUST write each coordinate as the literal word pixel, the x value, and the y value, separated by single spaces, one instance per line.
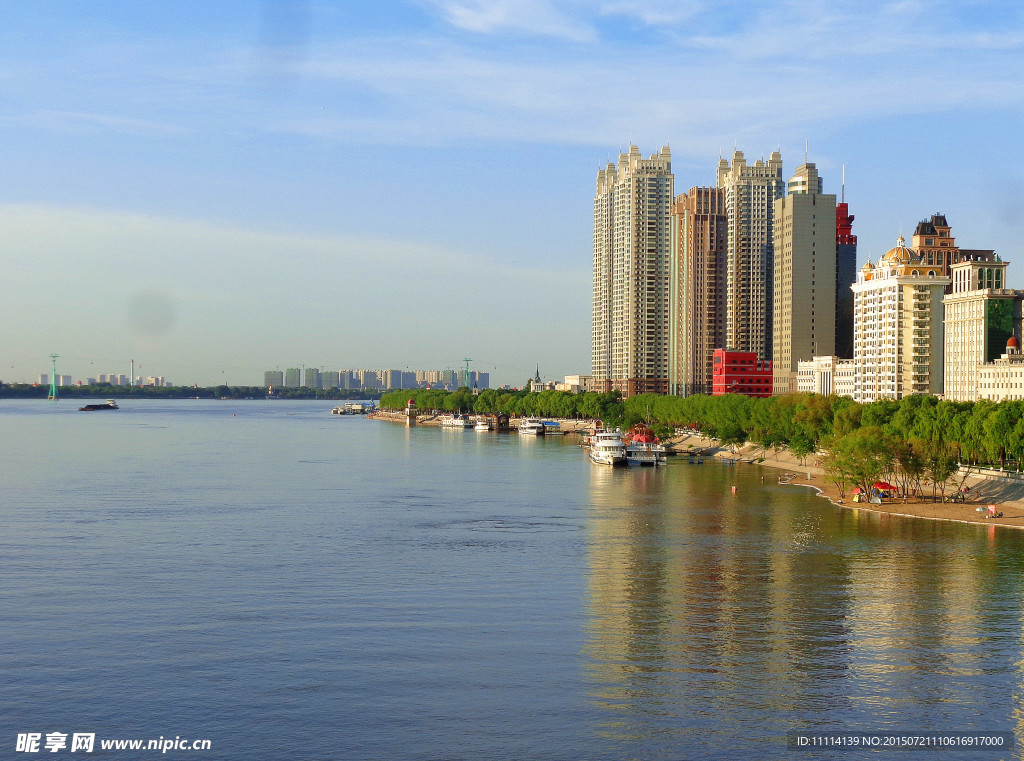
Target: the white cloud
pixel 534 17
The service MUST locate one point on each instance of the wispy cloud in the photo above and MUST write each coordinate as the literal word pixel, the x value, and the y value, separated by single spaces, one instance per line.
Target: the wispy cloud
pixel 541 18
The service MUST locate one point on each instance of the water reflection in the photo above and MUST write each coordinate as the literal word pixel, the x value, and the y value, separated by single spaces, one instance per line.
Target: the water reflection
pixel 746 615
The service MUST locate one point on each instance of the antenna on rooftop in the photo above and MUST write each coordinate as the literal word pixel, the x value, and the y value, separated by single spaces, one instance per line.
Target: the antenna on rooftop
pixel 806 146
pixel 842 197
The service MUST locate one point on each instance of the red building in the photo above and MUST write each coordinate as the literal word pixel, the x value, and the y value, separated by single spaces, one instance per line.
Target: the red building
pixel 741 372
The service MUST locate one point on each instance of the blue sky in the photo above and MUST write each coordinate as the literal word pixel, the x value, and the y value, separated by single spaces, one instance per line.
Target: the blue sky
pixel 216 189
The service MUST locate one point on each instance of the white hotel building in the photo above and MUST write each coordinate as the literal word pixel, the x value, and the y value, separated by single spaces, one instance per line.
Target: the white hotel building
pixel 898 327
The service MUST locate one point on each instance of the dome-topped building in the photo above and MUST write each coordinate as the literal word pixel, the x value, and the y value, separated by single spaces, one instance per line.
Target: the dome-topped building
pixel 897 341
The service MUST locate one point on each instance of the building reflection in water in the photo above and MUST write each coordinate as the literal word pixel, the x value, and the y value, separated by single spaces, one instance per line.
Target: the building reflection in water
pixel 716 615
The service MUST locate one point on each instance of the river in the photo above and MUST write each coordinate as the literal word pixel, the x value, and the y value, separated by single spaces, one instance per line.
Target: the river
pixel 289 584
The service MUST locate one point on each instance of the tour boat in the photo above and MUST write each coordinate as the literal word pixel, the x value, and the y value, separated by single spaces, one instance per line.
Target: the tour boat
pixel 642 447
pixel 532 426
pixel 608 448
pixel 482 424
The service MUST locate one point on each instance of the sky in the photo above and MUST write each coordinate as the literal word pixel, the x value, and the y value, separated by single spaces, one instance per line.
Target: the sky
pixel 217 189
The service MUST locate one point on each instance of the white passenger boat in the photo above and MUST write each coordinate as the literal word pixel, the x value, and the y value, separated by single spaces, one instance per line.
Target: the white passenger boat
pixel 532 426
pixel 608 448
pixel 643 448
pixel 482 424
pixel 456 421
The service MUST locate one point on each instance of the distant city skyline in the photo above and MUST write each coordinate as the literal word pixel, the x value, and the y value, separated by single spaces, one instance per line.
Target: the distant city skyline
pixel 404 184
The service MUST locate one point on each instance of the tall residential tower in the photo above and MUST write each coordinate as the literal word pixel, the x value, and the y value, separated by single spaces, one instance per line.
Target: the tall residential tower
pixel 697 289
pixel 804 316
pixel 750 194
pixel 632 251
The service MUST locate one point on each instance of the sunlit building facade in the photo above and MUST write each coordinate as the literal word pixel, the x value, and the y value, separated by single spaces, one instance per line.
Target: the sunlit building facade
pixel 750 194
pixel 632 251
pixel 804 313
pixel 898 329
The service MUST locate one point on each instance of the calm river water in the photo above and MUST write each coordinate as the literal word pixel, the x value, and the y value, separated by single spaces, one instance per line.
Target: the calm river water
pixel 291 584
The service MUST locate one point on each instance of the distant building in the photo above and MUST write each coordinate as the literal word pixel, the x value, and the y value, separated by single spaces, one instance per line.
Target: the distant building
pixel 825 376
pixel 741 372
pixel 632 250
pixel 312 379
pixel 273 378
pixel 934 242
pixel 577 383
pixel 982 315
pixel 846 276
pixel 293 377
pixel 330 379
pixel 804 276
pixel 898 330
pixel 1003 378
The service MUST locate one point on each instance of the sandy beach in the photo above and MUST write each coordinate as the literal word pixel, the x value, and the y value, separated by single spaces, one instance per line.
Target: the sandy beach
pixel 1007 496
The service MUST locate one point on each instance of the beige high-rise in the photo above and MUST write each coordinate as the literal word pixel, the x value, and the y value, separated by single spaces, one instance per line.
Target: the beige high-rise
pixel 804 314
pixel 750 193
pixel 632 251
pixel 697 314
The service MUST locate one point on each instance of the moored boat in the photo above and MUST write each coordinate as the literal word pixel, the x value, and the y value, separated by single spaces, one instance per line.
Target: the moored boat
pixel 643 447
pixel 456 421
pixel 532 426
pixel 482 424
pixel 608 448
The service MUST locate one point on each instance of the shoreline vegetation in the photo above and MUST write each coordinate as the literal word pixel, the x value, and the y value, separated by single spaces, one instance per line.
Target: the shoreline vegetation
pixel 110 391
pixel 943 459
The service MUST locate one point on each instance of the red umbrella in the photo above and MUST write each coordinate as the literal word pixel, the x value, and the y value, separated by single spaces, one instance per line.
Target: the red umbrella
pixel 882 486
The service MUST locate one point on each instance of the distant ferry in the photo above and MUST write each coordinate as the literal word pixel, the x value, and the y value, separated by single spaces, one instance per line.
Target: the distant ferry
pixel 109 405
pixel 352 408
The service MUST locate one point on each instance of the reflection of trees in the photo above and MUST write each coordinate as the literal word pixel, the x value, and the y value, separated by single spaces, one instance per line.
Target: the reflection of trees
pixel 708 611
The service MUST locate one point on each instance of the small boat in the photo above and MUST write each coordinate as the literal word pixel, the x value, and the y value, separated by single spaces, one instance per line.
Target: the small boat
pixel 456 421
pixel 643 448
pixel 532 426
pixel 109 405
pixel 482 424
pixel 608 448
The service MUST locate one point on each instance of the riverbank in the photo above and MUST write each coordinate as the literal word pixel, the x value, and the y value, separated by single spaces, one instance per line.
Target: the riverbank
pixel 1007 496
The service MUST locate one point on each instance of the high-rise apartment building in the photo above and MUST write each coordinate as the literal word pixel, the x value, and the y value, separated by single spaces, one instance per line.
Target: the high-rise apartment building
pixel 312 378
pixel 750 194
pixel 273 378
pixel 982 314
pixel 846 276
pixel 697 289
pixel 804 310
pixel 293 377
pixel 898 330
pixel 632 252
